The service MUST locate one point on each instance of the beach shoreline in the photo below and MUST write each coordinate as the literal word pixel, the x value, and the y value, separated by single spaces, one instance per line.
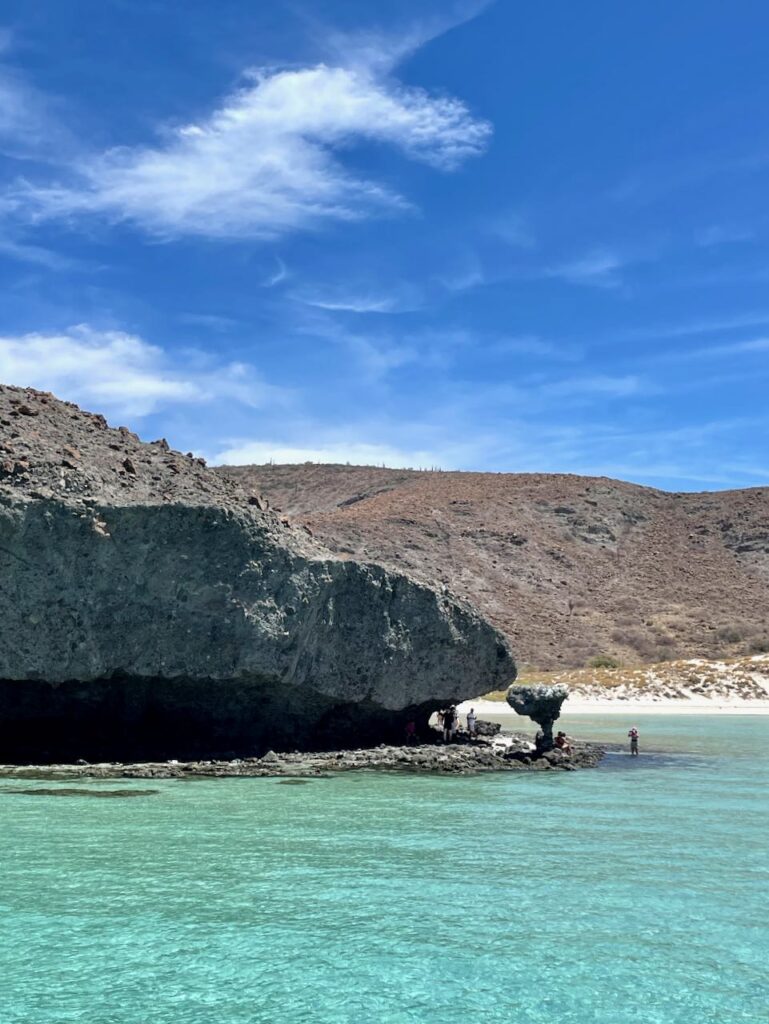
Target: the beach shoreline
pixel 580 705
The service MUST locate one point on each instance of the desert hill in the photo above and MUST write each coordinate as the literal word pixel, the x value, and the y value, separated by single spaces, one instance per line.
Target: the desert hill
pixel 570 568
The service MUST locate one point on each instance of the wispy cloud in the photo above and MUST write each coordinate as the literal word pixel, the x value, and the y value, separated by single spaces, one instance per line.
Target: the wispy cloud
pixel 123 374
pixel 648 183
pixel 399 299
pixel 211 321
pixel 513 229
pixel 374 352
pixel 465 275
pixel 723 234
pixel 692 328
pixel 351 303
pixel 728 349
pixel 599 268
pixel 529 345
pixel 278 276
pixel 599 384
pixel 383 51
pixel 23 120
pixel 268 160
pixel 30 122
pixel 23 252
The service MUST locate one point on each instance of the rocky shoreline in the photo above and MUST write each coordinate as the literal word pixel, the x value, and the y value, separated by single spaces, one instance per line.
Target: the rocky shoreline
pixel 453 759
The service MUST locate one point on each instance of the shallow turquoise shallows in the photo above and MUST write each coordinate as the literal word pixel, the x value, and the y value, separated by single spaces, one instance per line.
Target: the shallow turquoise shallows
pixel 634 892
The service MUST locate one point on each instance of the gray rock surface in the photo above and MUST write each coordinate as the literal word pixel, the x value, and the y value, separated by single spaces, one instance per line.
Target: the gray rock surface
pixel 149 607
pixel 542 704
pixel 432 758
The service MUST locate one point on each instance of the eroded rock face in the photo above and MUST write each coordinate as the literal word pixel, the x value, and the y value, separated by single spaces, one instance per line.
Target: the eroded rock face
pixel 542 704
pixel 150 608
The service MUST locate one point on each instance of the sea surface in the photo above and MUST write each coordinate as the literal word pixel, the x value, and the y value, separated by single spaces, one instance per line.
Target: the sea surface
pixel 637 891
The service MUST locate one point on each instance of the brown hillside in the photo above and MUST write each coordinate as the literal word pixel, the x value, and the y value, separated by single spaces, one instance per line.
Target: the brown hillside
pixel 569 567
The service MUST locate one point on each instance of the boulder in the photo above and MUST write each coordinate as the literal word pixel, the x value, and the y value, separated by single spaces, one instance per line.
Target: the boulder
pixel 483 728
pixel 148 608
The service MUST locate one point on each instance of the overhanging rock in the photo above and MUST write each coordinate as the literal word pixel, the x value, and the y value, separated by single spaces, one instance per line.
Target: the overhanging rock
pixel 149 607
pixel 542 704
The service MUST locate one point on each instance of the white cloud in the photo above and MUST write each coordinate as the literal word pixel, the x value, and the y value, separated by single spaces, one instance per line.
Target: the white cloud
pixel 372 49
pixel 357 453
pixel 401 299
pixel 268 160
pixel 352 303
pixel 121 373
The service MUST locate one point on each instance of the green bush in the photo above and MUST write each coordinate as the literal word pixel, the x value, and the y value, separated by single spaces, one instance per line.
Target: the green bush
pixel 603 661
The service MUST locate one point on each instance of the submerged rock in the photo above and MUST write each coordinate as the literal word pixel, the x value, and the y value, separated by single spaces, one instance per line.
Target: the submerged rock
pixel 150 608
pixel 99 794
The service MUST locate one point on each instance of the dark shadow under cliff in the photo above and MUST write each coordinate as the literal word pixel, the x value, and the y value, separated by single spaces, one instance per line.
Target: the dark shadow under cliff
pixel 134 719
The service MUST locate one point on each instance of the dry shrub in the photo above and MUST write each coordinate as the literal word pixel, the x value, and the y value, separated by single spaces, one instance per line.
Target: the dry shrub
pixel 730 634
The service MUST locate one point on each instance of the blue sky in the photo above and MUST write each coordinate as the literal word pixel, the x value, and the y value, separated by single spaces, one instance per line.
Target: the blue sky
pixel 516 237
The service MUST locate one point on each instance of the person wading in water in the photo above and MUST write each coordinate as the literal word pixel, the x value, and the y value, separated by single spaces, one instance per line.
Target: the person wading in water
pixel 633 734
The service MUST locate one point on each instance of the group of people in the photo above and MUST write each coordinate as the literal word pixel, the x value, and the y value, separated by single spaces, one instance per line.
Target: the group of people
pixel 448 720
pixel 562 742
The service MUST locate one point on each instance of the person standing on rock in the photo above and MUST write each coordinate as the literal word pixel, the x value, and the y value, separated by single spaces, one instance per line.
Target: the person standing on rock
pixel 633 734
pixel 471 723
pixel 449 719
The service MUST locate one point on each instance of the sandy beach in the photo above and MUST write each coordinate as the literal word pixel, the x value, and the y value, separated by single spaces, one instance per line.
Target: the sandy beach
pixel 693 686
pixel 579 705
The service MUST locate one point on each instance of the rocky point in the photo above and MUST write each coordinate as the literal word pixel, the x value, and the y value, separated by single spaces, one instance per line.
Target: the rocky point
pixel 151 608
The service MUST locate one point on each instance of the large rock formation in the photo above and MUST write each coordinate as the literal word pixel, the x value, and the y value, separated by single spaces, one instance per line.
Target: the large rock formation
pixel 542 704
pixel 149 607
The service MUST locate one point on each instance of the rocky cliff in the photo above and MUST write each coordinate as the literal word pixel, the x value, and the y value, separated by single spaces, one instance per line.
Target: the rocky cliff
pixel 569 568
pixel 149 607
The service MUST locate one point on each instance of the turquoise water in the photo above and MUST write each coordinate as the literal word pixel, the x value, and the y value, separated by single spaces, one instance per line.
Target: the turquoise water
pixel 636 891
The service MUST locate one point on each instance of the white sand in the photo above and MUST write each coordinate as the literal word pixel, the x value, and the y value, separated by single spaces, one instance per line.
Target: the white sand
pixel 580 705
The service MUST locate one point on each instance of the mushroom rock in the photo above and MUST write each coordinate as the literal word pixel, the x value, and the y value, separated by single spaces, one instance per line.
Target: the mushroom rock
pixel 149 608
pixel 542 704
